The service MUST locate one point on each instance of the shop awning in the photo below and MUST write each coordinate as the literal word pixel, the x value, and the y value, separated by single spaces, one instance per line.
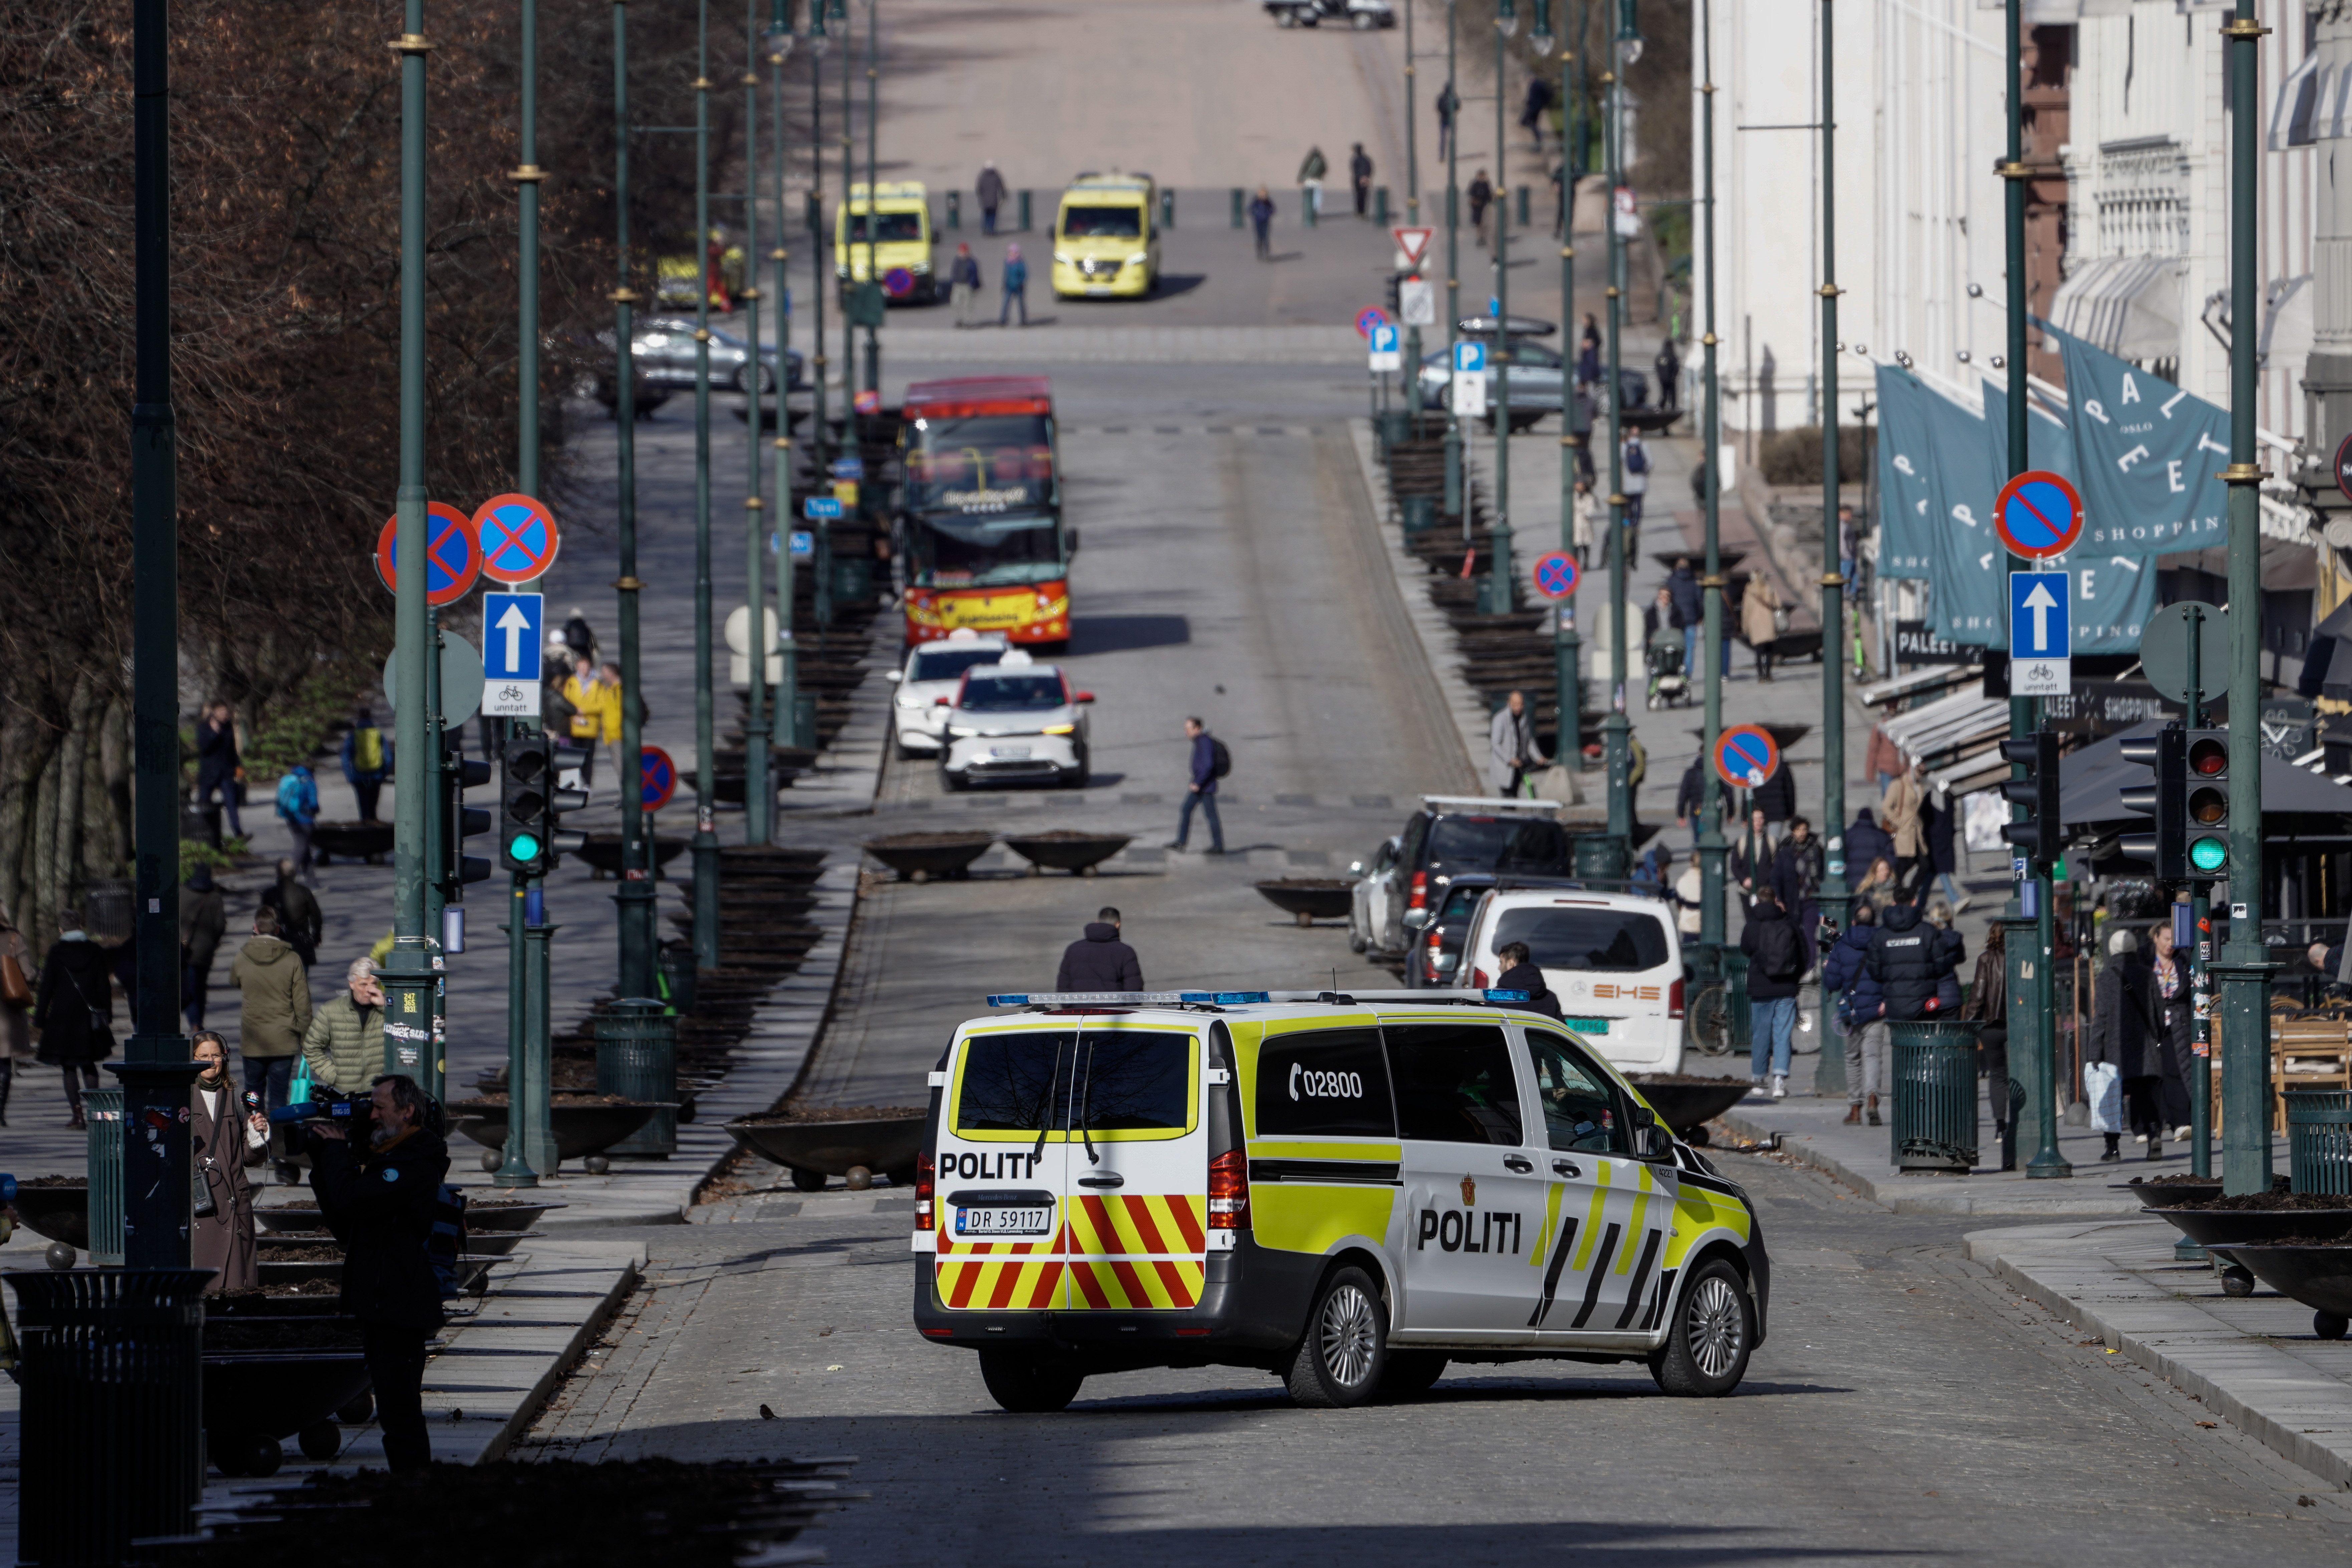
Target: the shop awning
pixel 2127 305
pixel 2311 106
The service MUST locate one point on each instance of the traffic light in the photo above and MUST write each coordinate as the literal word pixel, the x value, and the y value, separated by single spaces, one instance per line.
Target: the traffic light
pixel 2041 833
pixel 1396 295
pixel 2207 828
pixel 459 820
pixel 530 802
pixel 2166 800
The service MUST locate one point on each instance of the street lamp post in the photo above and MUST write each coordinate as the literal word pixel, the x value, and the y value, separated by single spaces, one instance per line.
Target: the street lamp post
pixel 1710 840
pixel 786 724
pixel 1500 596
pixel 635 897
pixel 758 799
pixel 819 263
pixel 705 836
pixel 1567 741
pixel 2244 971
pixel 1412 219
pixel 873 194
pixel 1455 502
pixel 1615 733
pixel 1833 892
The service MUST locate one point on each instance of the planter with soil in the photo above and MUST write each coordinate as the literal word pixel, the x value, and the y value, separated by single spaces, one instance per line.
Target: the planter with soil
pixel 56 1207
pixel 1686 1103
pixel 2252 1219
pixel 603 852
pixel 919 857
pixel 1067 849
pixel 816 1142
pixel 2316 1270
pixel 584 1124
pixel 1309 898
pixel 369 841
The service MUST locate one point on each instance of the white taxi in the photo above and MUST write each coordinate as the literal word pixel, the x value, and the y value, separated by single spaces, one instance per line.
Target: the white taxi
pixel 1614 962
pixel 927 686
pixel 1015 721
pixel 1347 1191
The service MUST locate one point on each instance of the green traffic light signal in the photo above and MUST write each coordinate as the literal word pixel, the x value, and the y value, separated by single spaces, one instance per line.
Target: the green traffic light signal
pixel 2209 854
pixel 523 846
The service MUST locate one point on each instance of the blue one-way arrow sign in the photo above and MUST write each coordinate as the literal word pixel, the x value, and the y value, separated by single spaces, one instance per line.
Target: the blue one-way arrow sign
pixel 2041 633
pixel 511 646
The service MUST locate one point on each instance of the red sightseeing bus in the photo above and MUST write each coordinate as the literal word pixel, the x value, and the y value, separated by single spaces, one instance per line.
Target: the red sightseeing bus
pixel 980 521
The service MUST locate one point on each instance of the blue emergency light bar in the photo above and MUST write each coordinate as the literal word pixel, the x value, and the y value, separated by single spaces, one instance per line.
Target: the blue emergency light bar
pixel 1129 998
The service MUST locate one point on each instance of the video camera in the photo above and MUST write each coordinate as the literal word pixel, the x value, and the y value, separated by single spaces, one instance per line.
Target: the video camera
pixel 324 1105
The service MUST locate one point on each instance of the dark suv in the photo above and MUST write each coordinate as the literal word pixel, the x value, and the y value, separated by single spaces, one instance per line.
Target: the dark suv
pixel 1455 835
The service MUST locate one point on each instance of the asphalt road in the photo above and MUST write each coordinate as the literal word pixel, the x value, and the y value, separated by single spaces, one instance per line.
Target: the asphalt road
pixel 1905 1407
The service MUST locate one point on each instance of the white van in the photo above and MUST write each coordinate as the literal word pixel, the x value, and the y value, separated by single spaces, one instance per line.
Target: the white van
pixel 1614 961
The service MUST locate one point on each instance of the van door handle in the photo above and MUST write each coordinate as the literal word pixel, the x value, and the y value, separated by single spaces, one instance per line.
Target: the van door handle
pixel 1517 1162
pixel 1568 1168
pixel 1102 1181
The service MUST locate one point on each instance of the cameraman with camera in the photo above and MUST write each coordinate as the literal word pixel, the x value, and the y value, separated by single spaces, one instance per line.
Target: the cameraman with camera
pixel 379 1200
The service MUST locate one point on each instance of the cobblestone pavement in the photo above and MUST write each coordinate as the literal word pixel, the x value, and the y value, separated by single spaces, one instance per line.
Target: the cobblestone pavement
pixel 1906 1405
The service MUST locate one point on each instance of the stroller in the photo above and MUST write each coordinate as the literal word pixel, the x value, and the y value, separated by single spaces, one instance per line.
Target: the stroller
pixel 1668 682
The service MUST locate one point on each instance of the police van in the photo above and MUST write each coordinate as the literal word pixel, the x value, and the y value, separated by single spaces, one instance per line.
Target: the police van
pixel 1349 1191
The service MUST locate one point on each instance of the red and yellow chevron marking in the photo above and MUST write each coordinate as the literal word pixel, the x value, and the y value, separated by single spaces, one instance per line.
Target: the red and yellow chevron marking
pixel 1140 1283
pixel 1000 1284
pixel 1141 1252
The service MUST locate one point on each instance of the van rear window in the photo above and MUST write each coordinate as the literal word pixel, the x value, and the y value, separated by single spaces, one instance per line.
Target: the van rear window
pixel 1015 1082
pixel 1135 1080
pixel 1324 1083
pixel 1566 937
pixel 1114 1080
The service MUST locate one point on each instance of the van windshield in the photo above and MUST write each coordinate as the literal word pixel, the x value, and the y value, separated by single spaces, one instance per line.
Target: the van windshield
pixel 1050 1079
pixel 1565 937
pixel 1102 223
pixel 890 228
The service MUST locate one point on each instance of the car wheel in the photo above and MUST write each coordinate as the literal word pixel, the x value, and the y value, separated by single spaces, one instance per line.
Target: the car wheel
pixel 1355 943
pixel 1366 21
pixel 1339 1363
pixel 1285 18
pixel 1411 1374
pixel 950 782
pixel 1706 1355
pixel 1026 1384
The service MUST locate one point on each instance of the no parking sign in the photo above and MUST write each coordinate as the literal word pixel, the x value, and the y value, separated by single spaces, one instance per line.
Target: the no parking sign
pixel 1746 756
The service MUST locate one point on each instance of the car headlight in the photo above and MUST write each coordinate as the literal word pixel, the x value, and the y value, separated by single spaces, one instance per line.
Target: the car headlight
pixel 920 270
pixel 1061 730
pixel 1060 259
pixel 960 731
pixel 1138 258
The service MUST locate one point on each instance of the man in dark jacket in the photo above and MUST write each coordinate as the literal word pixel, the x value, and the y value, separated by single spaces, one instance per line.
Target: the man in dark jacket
pixel 1909 959
pixel 1690 604
pixel 1690 798
pixel 299 920
pixel 380 1202
pixel 217 766
pixel 1797 867
pixel 1776 962
pixel 2124 1034
pixel 1866 841
pixel 1776 798
pixel 1942 814
pixel 1520 974
pixel 74 1011
pixel 1860 1002
pixel 1360 175
pixel 1202 792
pixel 1098 961
pixel 991 191
pixel 203 921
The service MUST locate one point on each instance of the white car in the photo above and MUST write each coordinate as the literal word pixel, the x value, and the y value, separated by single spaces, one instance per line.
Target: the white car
pixel 1015 720
pixel 927 686
pixel 1368 909
pixel 1614 963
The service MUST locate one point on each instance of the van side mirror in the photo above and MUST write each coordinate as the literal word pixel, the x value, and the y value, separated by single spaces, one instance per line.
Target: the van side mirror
pixel 1417 919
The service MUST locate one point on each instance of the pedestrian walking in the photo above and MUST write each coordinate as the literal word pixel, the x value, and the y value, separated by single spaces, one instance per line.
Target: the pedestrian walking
pixel 1635 459
pixel 1520 974
pixel 1797 869
pixel 964 283
pixel 595 713
pixel 73 1009
pixel 298 808
pixel 16 969
pixel 1449 104
pixel 1590 523
pixel 224 1138
pixel 2125 1051
pixel 1690 603
pixel 300 921
pixel 1988 1009
pixel 1760 621
pixel 1261 216
pixel 1859 1007
pixel 991 191
pixel 1015 280
pixel 1942 822
pixel 1531 111
pixel 1849 550
pixel 1312 170
pixel 579 637
pixel 1690 798
pixel 1210 762
pixel 555 710
pixel 381 1202
pixel 1588 367
pixel 1669 368
pixel 1865 841
pixel 1689 900
pixel 1752 859
pixel 344 1042
pixel 271 977
pixel 1098 961
pixel 1482 196
pixel 219 770
pixel 1901 809
pixel 1776 962
pixel 367 758
pixel 1512 755
pixel 1910 960
pixel 1883 760
pixel 1360 175
pixel 2168 977
pixel 1776 798
pixel 204 920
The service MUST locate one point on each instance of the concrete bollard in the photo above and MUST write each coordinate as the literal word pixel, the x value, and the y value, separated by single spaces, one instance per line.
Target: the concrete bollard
pixel 1239 197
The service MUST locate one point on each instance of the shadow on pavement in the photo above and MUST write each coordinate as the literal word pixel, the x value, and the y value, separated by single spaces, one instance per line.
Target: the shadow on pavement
pixel 1125 634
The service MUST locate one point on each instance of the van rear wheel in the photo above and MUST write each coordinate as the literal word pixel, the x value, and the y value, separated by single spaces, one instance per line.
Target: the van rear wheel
pixel 1028 1384
pixel 1339 1363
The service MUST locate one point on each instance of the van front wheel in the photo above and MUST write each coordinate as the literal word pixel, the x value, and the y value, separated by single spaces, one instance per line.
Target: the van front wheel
pixel 1026 1384
pixel 1706 1355
pixel 1339 1362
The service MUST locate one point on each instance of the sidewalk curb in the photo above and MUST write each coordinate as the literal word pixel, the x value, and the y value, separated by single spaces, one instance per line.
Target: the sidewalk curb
pixel 1918 1195
pixel 2239 1368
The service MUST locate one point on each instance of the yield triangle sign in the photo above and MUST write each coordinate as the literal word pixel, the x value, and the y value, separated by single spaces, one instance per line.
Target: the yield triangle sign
pixel 1414 243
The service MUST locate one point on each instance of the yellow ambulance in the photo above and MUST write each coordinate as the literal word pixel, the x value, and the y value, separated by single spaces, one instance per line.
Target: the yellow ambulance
pixel 1347 1191
pixel 1107 237
pixel 900 214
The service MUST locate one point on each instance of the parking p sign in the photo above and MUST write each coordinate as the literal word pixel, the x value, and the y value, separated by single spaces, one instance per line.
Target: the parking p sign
pixel 1385 354
pixel 1470 379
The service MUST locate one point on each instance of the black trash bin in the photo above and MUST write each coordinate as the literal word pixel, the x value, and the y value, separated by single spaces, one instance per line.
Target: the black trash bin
pixel 637 1058
pixel 1935 1070
pixel 2319 1139
pixel 112 1444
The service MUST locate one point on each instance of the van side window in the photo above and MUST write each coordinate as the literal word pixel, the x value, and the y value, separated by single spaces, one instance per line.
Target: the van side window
pixel 1580 1110
pixel 1324 1083
pixel 1453 1083
pixel 1015 1082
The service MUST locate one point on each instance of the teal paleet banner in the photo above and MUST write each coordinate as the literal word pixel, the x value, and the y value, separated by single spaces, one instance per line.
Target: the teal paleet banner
pixel 1967 594
pixel 2149 457
pixel 1909 500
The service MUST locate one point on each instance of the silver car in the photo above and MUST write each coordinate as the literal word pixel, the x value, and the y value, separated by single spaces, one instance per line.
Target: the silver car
pixel 1538 380
pixel 665 353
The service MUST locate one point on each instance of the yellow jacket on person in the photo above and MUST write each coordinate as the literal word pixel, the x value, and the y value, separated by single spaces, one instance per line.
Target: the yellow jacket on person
pixel 596 706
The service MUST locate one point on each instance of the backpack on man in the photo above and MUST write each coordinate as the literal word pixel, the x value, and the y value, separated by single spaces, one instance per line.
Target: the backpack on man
pixel 1779 953
pixel 1221 761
